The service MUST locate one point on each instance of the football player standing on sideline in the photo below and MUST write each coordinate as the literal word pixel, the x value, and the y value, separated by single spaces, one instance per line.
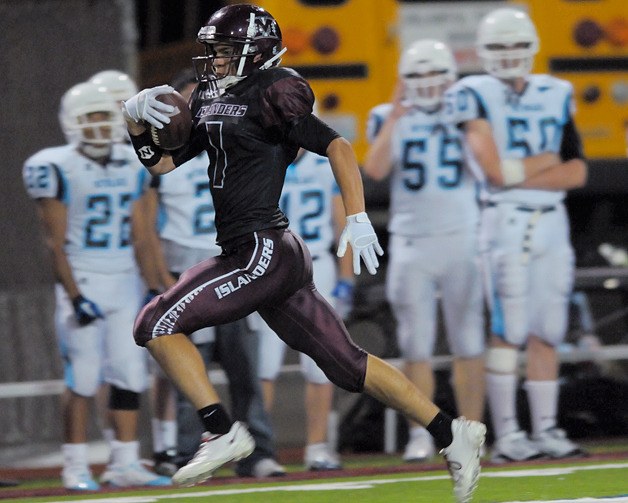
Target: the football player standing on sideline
pixel 434 218
pixel 520 129
pixel 311 201
pixel 251 116
pixel 86 193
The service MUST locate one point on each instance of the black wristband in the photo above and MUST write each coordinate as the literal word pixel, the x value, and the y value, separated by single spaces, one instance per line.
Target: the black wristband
pixel 147 152
pixel 76 301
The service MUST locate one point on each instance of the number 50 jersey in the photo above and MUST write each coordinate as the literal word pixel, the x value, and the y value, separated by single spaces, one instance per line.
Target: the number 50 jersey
pixel 431 191
pixel 99 201
pixel 537 120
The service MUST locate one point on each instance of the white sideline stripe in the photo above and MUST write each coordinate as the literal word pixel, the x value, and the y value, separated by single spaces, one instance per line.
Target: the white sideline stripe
pixel 56 386
pixel 370 483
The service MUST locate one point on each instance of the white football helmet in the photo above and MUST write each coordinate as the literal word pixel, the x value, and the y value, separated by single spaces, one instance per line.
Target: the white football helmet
pixel 507 42
pixel 118 84
pixel 76 105
pixel 427 68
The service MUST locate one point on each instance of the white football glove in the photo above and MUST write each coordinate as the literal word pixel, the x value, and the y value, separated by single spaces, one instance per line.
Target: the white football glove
pixel 144 106
pixel 359 233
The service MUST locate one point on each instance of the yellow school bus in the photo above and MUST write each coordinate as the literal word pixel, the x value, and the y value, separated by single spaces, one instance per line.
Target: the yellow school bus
pixel 348 52
pixel 586 43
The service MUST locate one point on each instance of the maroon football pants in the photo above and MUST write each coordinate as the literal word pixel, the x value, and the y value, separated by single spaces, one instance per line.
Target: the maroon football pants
pixel 269 272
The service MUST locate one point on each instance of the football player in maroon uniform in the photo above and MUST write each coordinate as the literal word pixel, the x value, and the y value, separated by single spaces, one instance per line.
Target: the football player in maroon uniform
pixel 251 116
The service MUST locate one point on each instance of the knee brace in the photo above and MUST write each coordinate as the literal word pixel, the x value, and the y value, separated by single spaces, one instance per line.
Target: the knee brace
pixel 501 360
pixel 122 399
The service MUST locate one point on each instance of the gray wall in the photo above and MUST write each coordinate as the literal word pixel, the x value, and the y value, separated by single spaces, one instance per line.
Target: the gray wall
pixel 47 46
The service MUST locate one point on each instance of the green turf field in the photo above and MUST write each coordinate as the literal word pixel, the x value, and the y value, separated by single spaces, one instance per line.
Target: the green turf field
pixel 603 481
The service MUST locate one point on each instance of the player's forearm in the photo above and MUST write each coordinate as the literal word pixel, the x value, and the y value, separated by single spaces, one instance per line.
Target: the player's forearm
pixel 562 176
pixel 347 174
pixel 345 263
pixel 63 270
pixel 377 163
pixel 146 264
pixel 143 243
pixel 505 172
pixel 479 138
pixel 535 164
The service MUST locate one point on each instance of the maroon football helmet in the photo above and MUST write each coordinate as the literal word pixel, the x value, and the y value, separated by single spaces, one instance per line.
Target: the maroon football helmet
pixel 253 38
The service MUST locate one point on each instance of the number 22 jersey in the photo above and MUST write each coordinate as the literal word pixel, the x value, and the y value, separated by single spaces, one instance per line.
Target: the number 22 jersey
pixel 99 201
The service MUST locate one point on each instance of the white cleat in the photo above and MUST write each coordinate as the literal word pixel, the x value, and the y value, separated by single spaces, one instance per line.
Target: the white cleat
pixel 554 443
pixel 419 448
pixel 78 479
pixel 215 451
pixel 463 456
pixel 268 467
pixel 320 458
pixel 515 446
pixel 133 475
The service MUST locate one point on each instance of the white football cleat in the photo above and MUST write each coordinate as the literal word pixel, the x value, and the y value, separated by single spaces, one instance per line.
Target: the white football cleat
pixel 419 448
pixel 78 478
pixel 463 456
pixel 318 457
pixel 515 446
pixel 554 443
pixel 215 451
pixel 133 475
pixel 268 467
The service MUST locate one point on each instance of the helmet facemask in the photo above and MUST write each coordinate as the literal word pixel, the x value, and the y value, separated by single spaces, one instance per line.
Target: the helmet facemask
pixel 427 69
pixel 507 43
pixel 91 119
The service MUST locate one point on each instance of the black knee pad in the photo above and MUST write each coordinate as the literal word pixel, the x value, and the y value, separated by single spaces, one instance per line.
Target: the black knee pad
pixel 123 399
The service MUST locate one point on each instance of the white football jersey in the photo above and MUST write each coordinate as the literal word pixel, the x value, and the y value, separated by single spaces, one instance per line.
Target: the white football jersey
pixel 431 191
pixel 98 198
pixel 186 208
pixel 523 124
pixel 306 200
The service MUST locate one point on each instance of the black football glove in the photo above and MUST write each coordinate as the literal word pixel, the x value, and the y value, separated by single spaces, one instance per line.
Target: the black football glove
pixel 85 310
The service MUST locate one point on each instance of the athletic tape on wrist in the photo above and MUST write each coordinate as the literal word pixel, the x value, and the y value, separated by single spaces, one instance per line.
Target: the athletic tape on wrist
pixel 513 171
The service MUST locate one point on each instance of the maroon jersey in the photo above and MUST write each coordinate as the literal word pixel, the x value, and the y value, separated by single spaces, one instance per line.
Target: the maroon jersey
pixel 245 133
pixel 252 133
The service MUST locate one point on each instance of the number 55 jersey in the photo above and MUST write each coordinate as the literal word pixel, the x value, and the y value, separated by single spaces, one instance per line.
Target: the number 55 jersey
pixel 431 191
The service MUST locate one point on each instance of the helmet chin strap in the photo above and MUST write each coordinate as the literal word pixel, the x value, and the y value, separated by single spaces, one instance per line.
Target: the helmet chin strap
pixel 231 80
pixel 276 57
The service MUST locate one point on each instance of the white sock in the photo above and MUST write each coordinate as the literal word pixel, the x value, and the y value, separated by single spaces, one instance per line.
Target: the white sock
pixel 501 391
pixel 543 403
pixel 125 453
pixel 418 431
pixel 109 435
pixel 74 455
pixel 164 434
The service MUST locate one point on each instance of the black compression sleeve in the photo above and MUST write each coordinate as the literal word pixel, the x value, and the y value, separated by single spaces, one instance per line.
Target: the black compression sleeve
pixel 312 134
pixel 147 152
pixel 571 145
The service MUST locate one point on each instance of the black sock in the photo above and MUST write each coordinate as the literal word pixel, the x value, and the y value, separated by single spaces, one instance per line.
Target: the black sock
pixel 215 419
pixel 440 429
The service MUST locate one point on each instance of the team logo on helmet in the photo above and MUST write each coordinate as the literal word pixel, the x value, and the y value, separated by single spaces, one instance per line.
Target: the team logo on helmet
pixel 265 27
